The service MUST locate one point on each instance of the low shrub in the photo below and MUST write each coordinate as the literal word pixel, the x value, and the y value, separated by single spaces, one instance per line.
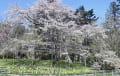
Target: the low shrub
pixel 107 66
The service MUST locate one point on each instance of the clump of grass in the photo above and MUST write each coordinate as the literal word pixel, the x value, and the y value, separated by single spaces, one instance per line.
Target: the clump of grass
pixel 48 71
pixel 20 66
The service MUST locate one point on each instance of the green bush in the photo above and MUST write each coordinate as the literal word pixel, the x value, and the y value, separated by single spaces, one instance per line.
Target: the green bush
pixel 90 60
pixel 107 66
pixel 7 55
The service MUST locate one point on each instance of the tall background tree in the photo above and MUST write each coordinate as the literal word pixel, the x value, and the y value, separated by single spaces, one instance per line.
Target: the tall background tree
pixel 112 24
pixel 84 16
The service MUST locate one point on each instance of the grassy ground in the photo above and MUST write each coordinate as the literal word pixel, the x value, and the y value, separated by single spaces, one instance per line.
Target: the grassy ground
pixel 42 66
pixel 25 66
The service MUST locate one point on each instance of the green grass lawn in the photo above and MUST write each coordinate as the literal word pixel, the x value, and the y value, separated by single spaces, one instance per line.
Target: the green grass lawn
pixel 42 66
pixel 105 74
